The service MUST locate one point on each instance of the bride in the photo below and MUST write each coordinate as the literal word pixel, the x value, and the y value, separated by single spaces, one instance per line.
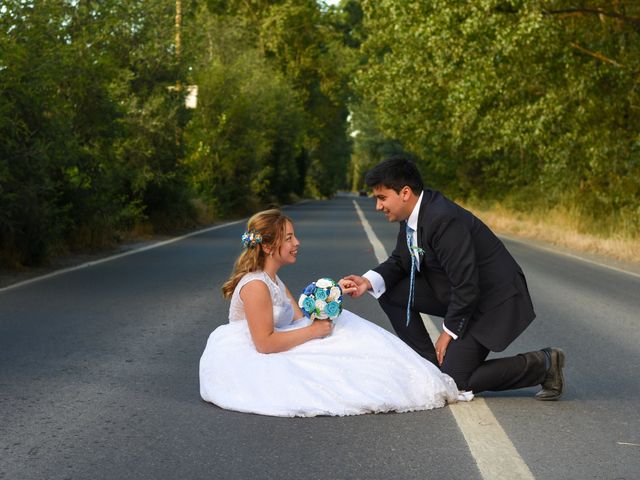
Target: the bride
pixel 271 360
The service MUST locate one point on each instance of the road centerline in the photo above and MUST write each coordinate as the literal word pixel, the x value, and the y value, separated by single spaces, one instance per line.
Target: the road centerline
pixel 491 448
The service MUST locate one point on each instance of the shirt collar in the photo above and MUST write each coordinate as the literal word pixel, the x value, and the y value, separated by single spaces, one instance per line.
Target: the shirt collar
pixel 412 221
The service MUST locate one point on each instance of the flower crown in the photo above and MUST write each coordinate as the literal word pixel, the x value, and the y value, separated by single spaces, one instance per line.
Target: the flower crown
pixel 251 239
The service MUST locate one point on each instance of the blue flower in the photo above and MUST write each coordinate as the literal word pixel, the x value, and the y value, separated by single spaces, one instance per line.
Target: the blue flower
pixel 321 299
pixel 308 306
pixel 332 309
pixel 321 294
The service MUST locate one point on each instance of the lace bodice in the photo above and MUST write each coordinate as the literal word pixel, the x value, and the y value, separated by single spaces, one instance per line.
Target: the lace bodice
pixel 282 308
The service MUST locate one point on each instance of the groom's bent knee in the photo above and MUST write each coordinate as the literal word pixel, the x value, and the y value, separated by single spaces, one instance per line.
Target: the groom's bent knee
pixel 414 334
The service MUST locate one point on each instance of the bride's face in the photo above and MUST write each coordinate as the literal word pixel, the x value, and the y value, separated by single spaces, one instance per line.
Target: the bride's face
pixel 288 251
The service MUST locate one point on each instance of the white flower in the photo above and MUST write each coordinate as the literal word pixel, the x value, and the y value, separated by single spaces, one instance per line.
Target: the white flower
pixel 334 294
pixel 320 305
pixel 301 300
pixel 324 283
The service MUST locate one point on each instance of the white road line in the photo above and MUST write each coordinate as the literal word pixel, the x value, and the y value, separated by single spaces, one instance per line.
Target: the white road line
pixel 490 446
pixel 114 257
pixel 378 248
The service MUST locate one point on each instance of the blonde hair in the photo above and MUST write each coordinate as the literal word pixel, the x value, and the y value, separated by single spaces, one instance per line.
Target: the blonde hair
pixel 271 225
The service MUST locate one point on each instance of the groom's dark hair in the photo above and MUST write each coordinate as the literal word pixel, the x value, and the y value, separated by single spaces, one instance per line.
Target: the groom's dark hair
pixel 395 173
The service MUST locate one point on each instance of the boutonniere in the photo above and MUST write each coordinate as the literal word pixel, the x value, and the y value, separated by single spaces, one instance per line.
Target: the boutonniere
pixel 418 250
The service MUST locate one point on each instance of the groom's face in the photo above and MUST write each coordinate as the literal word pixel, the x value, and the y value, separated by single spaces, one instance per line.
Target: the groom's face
pixel 393 204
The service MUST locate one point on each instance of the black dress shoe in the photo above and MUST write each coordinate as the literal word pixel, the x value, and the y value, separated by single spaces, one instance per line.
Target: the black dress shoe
pixel 553 383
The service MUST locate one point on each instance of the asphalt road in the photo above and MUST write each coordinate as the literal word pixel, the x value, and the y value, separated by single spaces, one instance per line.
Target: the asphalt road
pixel 99 372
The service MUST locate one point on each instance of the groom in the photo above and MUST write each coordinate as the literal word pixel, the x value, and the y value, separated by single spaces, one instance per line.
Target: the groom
pixel 447 263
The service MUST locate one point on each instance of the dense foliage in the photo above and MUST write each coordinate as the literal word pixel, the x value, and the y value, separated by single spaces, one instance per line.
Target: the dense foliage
pixel 87 123
pixel 531 103
pixel 95 137
pixel 534 103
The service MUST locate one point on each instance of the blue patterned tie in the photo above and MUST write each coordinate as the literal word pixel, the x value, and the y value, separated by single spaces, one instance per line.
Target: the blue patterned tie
pixel 413 271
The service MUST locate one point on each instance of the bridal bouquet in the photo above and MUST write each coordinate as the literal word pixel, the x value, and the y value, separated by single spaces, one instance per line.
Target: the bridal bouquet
pixel 321 299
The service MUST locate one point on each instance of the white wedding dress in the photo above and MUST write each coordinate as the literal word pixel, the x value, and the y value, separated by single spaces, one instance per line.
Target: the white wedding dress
pixel 359 368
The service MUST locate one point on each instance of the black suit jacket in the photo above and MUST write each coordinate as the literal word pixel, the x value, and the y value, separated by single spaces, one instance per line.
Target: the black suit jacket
pixel 468 269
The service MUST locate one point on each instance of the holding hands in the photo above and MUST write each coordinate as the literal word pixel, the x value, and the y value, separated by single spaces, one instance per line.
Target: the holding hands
pixel 354 285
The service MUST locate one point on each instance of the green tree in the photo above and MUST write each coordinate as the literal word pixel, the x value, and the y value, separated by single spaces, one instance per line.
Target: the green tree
pixel 308 49
pixel 94 135
pixel 529 101
pixel 35 130
pixel 300 42
pixel 89 130
pixel 248 128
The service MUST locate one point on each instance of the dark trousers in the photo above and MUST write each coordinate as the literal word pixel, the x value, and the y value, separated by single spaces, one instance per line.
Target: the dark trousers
pixel 466 359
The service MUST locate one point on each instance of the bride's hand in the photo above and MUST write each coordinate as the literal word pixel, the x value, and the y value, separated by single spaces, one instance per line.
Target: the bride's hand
pixel 321 328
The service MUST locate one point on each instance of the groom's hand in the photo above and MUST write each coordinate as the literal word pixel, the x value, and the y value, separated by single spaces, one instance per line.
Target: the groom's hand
pixel 354 286
pixel 441 346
